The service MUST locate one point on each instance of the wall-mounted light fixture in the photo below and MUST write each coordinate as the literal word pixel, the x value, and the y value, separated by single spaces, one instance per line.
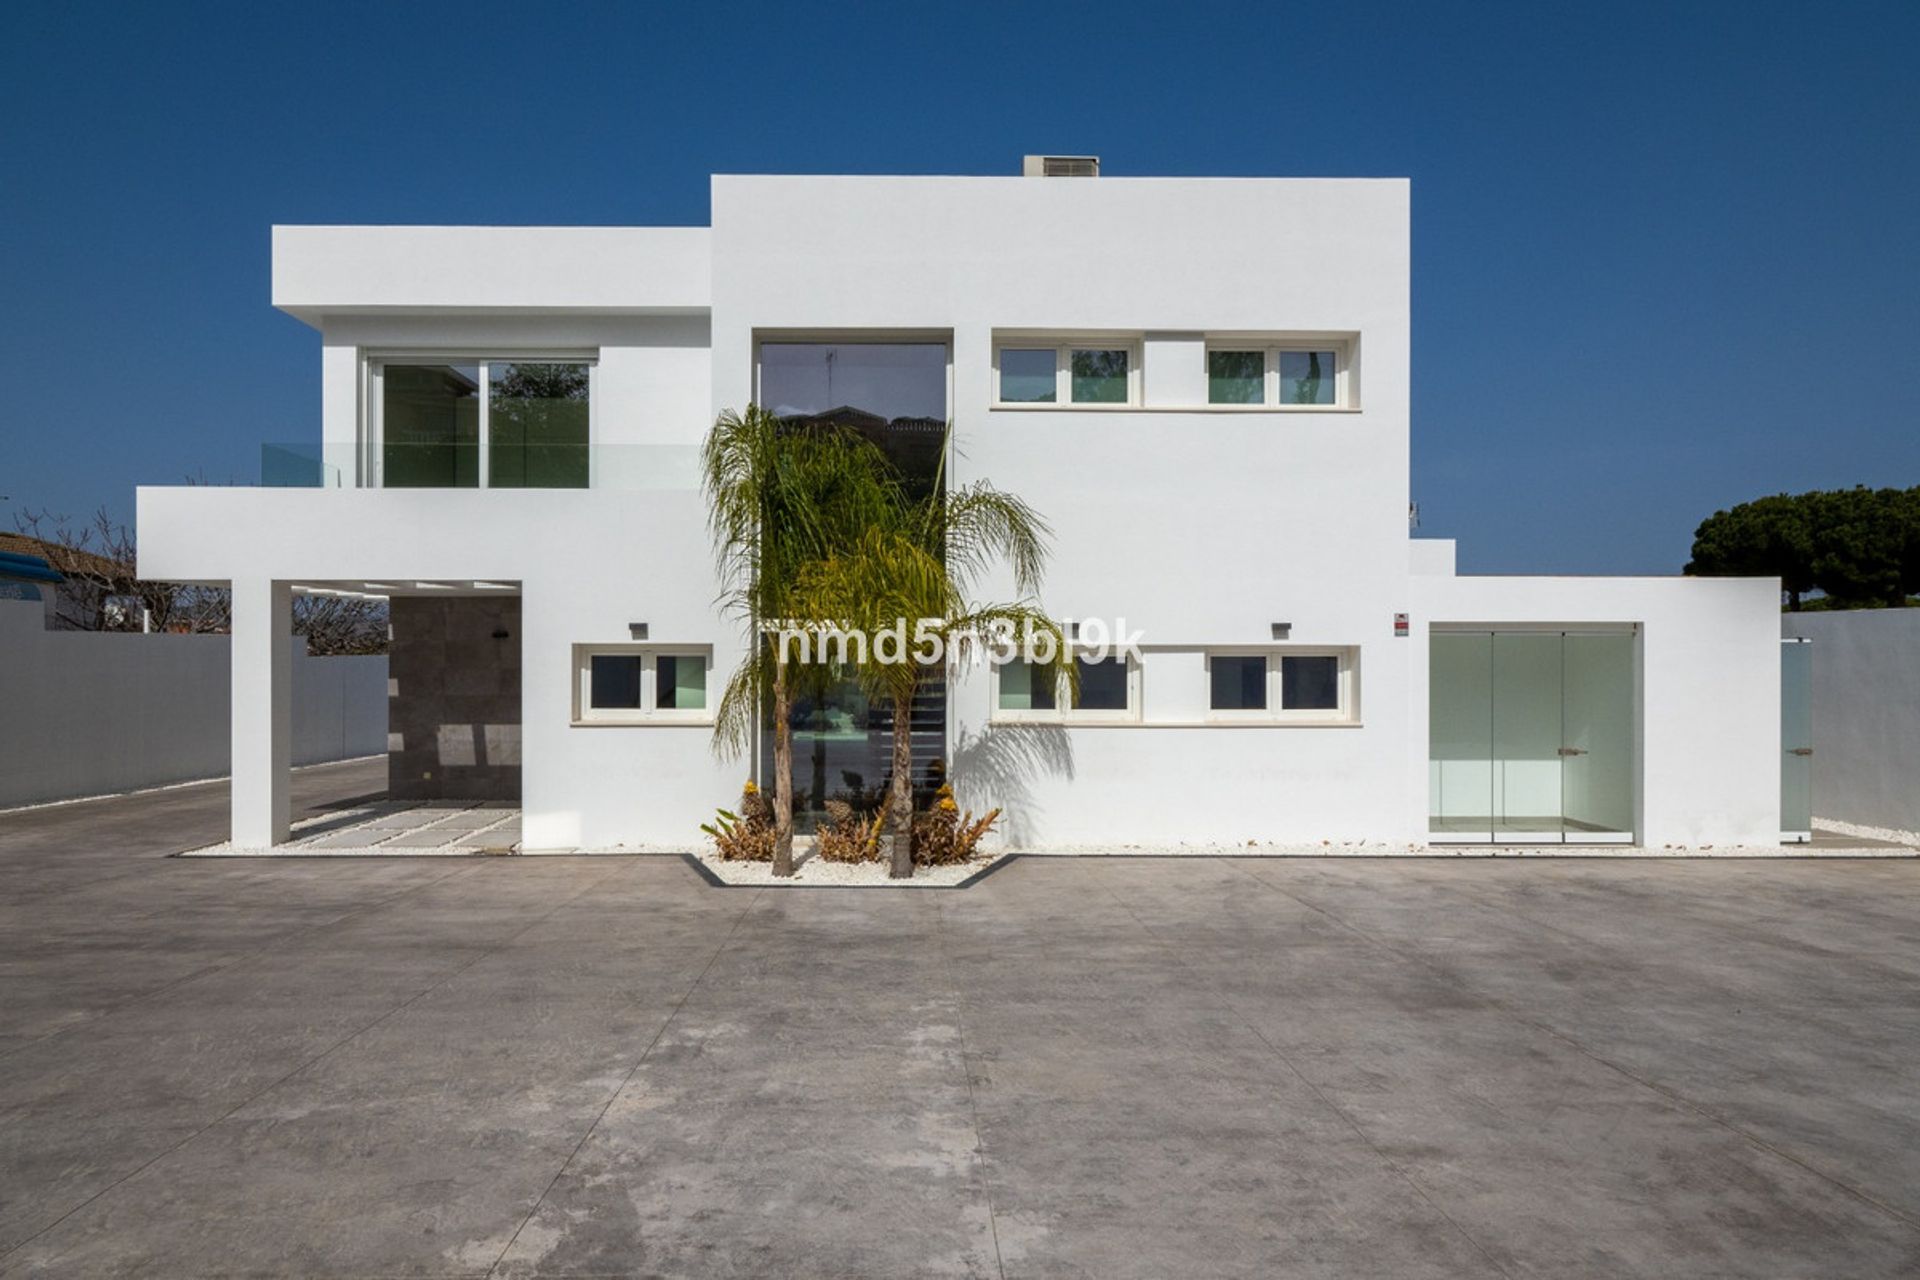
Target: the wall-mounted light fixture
pixel 1282 630
pixel 637 630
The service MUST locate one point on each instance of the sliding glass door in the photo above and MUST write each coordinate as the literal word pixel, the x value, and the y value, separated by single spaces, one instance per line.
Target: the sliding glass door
pixel 497 424
pixel 1531 737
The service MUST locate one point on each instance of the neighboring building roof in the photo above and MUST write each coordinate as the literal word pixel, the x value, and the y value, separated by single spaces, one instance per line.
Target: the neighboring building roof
pixel 15 567
pixel 64 558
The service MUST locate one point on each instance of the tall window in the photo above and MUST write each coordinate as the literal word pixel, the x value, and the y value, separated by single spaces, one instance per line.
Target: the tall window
pixel 529 430
pixel 894 394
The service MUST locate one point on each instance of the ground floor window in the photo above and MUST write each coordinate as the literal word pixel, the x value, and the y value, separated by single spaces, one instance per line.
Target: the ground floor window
pixel 640 684
pixel 1299 685
pixel 1108 689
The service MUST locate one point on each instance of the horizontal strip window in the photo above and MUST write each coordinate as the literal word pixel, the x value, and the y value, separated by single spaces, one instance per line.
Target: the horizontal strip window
pixel 1289 685
pixel 1108 693
pixel 1079 373
pixel 1283 376
pixel 642 684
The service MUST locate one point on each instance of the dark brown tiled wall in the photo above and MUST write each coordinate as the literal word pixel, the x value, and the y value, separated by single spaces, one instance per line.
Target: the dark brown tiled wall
pixel 453 701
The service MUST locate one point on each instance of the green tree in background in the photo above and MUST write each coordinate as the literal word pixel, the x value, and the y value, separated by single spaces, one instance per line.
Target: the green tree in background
pixel 1860 547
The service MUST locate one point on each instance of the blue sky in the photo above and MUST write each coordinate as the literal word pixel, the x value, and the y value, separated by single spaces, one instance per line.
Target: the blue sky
pixel 1666 257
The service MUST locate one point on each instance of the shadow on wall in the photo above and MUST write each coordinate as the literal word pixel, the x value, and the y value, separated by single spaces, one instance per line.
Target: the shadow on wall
pixel 999 764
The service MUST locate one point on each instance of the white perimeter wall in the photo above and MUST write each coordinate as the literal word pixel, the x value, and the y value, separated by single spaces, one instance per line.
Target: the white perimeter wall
pixel 91 713
pixel 1866 714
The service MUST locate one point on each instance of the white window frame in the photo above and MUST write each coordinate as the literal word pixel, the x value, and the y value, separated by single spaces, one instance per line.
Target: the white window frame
pixel 373 408
pixel 1062 712
pixel 1343 390
pixel 647 713
pixel 1063 350
pixel 1348 711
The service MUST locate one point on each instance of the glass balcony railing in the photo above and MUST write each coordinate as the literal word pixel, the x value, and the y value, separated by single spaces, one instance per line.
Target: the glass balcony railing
pixel 627 467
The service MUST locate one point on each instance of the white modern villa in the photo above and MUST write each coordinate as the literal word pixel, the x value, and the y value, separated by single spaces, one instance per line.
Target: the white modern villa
pixel 1201 384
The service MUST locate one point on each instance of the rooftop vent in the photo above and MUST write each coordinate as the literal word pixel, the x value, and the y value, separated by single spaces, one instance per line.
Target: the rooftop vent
pixel 1062 167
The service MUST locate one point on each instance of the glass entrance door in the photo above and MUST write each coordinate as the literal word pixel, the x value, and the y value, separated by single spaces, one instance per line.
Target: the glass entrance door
pixel 1531 737
pixel 1796 740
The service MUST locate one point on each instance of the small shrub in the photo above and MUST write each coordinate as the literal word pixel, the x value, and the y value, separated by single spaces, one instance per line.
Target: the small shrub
pixel 942 835
pixel 848 835
pixel 746 836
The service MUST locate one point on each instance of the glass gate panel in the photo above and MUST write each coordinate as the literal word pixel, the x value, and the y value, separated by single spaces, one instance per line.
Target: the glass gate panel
pixel 1526 737
pixel 1796 739
pixel 1460 718
pixel 1596 736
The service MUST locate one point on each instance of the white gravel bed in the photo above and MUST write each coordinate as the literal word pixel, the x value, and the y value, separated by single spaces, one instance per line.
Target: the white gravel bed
pixel 1364 849
pixel 809 870
pixel 227 850
pixel 1860 831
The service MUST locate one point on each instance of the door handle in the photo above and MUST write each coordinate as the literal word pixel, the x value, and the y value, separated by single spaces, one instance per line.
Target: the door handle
pixel 1573 751
pixel 1800 751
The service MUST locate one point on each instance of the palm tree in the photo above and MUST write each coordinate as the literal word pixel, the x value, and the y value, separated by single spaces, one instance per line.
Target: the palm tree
pixel 917 571
pixel 782 501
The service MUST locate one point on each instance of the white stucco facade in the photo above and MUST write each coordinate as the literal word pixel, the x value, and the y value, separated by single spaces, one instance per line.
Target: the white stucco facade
pixel 1202 525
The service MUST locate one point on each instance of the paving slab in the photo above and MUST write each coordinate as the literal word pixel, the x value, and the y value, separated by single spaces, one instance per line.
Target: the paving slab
pixel 1076 1067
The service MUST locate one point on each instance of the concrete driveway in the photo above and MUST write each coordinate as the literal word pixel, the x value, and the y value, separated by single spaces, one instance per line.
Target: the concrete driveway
pixel 1095 1067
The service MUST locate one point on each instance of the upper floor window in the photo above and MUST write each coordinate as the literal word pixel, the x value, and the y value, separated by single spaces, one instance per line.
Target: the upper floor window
pixel 501 424
pixel 1289 377
pixel 1101 371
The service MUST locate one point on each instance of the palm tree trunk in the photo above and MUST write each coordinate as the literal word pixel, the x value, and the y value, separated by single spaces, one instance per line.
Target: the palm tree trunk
pixel 901 800
pixel 782 772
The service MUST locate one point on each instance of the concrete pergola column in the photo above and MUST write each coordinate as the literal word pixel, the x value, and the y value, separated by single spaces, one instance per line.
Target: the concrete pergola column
pixel 262 710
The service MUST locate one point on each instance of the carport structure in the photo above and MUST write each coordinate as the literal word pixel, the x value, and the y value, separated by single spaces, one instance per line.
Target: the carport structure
pixel 453 695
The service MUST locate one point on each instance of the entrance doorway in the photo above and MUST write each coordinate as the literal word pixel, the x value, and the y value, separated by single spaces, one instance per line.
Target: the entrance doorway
pixel 1531 737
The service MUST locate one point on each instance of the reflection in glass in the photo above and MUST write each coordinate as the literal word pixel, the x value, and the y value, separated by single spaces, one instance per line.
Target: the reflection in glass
pixel 1100 376
pixel 1306 377
pixel 430 426
pixel 680 682
pixel 615 681
pixel 537 426
pixel 1236 377
pixel 1310 682
pixel 1027 375
pixel 1103 684
pixel 1239 682
pixel 894 394
pixel 1025 687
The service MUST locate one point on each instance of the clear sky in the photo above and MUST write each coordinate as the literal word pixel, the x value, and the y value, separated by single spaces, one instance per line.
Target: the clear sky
pixel 1666 256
